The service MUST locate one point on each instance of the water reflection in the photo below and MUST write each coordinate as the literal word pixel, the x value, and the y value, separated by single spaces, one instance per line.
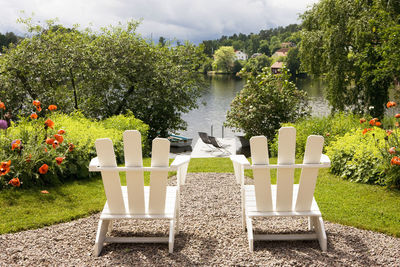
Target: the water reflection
pixel 219 93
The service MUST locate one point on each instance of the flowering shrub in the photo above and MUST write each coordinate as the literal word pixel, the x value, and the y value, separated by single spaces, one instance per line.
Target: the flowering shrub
pixel 50 147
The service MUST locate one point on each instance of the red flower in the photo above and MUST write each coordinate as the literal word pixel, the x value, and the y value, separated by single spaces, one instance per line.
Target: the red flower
pixel 61 131
pixel 71 147
pixel 36 103
pixel 390 104
pixel 49 141
pixel 397 115
pixel 44 169
pixel 49 123
pixel 15 144
pixel 5 167
pixel 44 192
pixel 39 108
pixel 392 150
pixel 15 182
pixel 2 106
pixel 59 160
pixel 395 161
pixel 389 132
pixel 59 138
pixel 327 134
pixel 372 122
pixel 362 120
pixel 55 144
pixel 4 171
pixel 366 130
pixel 6 164
pixel 34 116
pixel 378 123
pixel 52 107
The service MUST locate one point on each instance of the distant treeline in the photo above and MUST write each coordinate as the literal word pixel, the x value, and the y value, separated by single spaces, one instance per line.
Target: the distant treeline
pixel 266 41
pixel 8 38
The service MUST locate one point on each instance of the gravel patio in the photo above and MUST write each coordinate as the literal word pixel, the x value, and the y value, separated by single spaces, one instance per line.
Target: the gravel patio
pixel 211 234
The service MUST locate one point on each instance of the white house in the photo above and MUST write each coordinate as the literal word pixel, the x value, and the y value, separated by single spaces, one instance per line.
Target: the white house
pixel 241 55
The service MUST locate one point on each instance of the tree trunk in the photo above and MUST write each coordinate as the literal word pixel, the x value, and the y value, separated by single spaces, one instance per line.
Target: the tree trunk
pixel 74 88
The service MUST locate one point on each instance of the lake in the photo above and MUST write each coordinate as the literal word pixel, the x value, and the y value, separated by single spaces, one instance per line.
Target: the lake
pixel 218 95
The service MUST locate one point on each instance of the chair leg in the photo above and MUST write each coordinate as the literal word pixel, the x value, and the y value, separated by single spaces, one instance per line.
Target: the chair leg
pixel 171 236
pixel 320 230
pixel 100 237
pixel 310 223
pixel 243 210
pixel 110 226
pixel 177 203
pixel 250 233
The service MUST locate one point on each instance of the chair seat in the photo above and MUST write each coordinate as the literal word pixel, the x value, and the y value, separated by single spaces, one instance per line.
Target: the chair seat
pixel 171 196
pixel 251 210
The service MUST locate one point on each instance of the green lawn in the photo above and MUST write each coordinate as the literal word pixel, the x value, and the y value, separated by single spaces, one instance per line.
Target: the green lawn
pixel 363 206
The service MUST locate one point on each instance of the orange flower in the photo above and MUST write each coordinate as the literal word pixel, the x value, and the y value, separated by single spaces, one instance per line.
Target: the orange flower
pixel 378 123
pixel 390 104
pixel 392 150
pixel 71 147
pixel 61 131
pixel 44 169
pixel 15 144
pixel 29 158
pixel 34 116
pixel 6 164
pixel 15 182
pixel 45 149
pixel 36 103
pixel 4 171
pixel 372 122
pixel 366 130
pixel 59 160
pixel 49 141
pixel 2 106
pixel 59 138
pixel 362 120
pixel 49 123
pixel 44 192
pixel 55 144
pixel 389 132
pixel 395 161
pixel 397 115
pixel 52 107
pixel 39 108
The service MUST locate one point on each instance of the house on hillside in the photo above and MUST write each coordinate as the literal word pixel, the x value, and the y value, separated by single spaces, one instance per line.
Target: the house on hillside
pixel 287 45
pixel 277 67
pixel 256 55
pixel 241 55
pixel 281 52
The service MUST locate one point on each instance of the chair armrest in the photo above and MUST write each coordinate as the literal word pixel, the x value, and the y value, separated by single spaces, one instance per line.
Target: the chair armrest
pixel 325 160
pixel 94 163
pixel 179 161
pixel 240 159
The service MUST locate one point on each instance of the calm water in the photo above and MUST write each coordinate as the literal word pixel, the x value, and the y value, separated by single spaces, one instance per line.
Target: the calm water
pixel 218 95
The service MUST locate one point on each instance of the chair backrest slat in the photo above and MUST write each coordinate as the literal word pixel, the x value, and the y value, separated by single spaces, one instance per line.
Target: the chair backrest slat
pixel 134 179
pixel 262 180
pixel 111 180
pixel 158 179
pixel 308 176
pixel 285 177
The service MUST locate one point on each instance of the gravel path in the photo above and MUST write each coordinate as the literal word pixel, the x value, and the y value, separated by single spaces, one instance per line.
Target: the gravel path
pixel 211 234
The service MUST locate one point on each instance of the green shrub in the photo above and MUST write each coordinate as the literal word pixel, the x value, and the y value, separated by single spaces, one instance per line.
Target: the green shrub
pixel 330 127
pixel 33 152
pixel 357 156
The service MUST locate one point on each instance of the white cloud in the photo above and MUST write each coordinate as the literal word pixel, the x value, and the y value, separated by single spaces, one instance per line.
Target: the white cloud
pixel 194 20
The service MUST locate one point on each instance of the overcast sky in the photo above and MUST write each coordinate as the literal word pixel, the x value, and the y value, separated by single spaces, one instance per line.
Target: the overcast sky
pixel 193 20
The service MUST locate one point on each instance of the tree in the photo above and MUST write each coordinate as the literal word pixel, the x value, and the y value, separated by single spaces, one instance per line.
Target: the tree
pixel 161 41
pixel 266 101
pixel 293 61
pixel 254 66
pixel 103 74
pixel 264 48
pixel 224 59
pixel 347 42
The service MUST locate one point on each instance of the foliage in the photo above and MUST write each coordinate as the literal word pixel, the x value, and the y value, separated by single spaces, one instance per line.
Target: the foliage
pixel 357 157
pixel 257 64
pixel 293 61
pixel 355 45
pixel 224 59
pixel 103 74
pixel 7 39
pixel 75 147
pixel 266 101
pixel 330 127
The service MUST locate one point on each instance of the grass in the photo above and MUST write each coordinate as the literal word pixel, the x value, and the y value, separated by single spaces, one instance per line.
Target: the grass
pixel 364 206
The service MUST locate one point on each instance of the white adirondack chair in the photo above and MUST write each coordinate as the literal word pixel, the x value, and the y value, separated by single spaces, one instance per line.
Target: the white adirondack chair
pixel 285 199
pixel 136 201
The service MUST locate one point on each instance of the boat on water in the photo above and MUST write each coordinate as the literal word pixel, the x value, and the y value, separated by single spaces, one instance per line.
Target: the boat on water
pixel 179 141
